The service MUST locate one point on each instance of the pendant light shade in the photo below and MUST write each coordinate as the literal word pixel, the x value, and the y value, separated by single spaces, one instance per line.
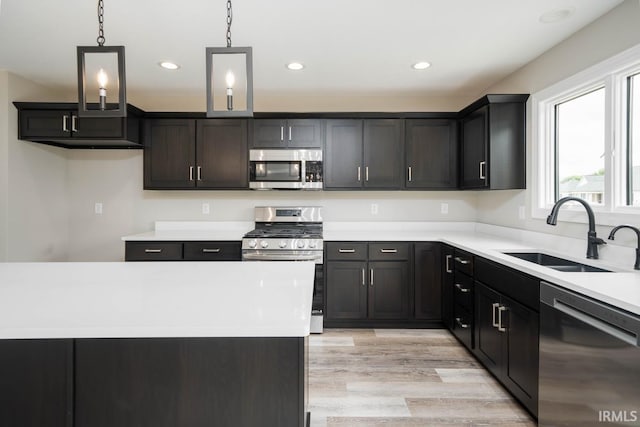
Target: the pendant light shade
pixel 229 82
pixel 229 78
pixel 101 81
pixel 101 77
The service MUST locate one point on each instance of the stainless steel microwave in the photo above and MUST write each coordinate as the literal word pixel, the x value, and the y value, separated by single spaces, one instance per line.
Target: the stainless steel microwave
pixel 289 169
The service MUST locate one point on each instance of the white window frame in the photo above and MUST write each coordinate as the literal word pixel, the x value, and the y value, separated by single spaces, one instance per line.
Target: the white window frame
pixel 612 75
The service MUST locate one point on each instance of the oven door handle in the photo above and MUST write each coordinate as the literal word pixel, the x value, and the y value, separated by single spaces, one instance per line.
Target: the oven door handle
pixel 275 257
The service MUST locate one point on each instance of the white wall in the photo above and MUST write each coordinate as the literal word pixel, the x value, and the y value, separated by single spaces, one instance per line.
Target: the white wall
pixel 4 164
pixel 36 190
pixel 609 35
pixel 114 178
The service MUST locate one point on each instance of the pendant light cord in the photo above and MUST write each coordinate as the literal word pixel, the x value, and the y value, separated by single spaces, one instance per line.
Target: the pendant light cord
pixel 100 39
pixel 229 19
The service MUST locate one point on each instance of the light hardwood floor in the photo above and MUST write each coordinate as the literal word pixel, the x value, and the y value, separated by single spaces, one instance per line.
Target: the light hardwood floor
pixel 409 377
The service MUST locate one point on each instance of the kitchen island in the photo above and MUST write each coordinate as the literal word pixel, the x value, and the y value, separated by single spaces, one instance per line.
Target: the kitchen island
pixel 154 344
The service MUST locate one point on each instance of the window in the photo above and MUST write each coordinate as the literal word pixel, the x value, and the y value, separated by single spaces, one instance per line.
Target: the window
pixel 633 140
pixel 586 141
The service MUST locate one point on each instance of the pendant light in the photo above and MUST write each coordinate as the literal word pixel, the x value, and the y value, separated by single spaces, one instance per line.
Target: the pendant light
pixel 101 77
pixel 229 78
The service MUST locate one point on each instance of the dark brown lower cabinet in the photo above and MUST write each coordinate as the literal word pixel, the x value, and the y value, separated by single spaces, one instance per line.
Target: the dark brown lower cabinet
pixel 507 335
pixel 346 289
pixel 36 383
pixel 154 382
pixel 428 281
pixel 389 290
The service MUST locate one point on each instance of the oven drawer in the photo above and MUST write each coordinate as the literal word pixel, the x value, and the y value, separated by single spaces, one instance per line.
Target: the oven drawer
pixel 212 251
pixel 153 251
pixel 391 251
pixel 346 251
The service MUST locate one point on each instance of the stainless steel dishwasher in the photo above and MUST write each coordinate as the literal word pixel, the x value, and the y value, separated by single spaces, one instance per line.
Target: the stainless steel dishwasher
pixel 589 361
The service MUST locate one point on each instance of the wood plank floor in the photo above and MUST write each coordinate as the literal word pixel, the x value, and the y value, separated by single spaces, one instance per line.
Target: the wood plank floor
pixel 397 378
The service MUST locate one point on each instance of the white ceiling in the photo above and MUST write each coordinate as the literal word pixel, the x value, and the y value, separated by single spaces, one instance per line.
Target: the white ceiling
pixel 347 46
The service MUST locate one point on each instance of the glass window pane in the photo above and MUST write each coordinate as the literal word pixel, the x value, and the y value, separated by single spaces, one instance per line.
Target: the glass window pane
pixel 580 147
pixel 634 140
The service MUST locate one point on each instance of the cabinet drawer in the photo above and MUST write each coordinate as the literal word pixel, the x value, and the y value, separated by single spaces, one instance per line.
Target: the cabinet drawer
pixel 346 251
pixel 391 251
pixel 520 287
pixel 463 291
pixel 463 261
pixel 153 251
pixel 463 325
pixel 212 251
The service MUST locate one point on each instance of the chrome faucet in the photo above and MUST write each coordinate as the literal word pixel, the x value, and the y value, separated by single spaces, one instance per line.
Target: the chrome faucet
pixel 592 240
pixel 636 266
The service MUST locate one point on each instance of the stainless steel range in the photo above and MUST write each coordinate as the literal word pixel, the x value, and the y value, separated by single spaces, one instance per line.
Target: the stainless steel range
pixel 290 233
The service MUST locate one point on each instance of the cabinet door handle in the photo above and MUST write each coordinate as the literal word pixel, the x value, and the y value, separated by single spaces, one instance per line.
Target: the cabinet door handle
pixel 289 133
pixel 462 261
pixel 190 173
pixel 448 263
pixel 501 310
pixel 152 251
pixel 482 172
pixel 371 277
pixel 366 173
pixel 363 279
pixel 281 133
pixel 359 174
pixel 461 289
pixel 347 251
pixel 64 123
pixel 462 325
pixel 494 306
pixel 410 174
pixel 388 251
pixel 199 173
pixel 210 251
pixel 74 120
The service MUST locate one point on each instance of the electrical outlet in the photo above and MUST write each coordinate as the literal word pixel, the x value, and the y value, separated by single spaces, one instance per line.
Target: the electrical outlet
pixel 521 213
pixel 98 208
pixel 206 209
pixel 374 209
pixel 444 208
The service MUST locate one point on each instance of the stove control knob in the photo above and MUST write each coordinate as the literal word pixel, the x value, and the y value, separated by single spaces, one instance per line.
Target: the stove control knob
pixel 312 244
pixel 283 244
pixel 264 244
pixel 253 243
pixel 301 244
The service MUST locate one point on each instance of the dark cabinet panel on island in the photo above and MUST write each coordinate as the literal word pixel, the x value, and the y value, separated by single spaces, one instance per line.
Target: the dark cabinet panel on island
pixel 189 154
pixel 183 251
pixel 36 383
pixel 291 133
pixel 58 124
pixel 363 154
pixel 431 159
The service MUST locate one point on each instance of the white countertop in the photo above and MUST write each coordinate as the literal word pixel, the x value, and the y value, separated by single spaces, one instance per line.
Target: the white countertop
pixel 620 288
pixel 158 299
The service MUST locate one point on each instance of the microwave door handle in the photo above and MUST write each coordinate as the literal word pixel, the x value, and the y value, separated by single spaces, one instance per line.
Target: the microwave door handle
pixel 303 171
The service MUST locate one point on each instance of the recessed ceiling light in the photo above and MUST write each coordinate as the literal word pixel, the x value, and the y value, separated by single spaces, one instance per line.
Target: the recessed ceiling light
pixel 555 15
pixel 169 65
pixel 422 65
pixel 295 66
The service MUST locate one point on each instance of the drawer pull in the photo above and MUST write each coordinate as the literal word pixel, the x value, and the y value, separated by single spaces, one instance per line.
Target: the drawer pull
pixel 152 251
pixel 447 264
pixel 210 251
pixel 501 310
pixel 461 289
pixel 462 325
pixel 388 251
pixel 494 306
pixel 347 251
pixel 462 260
pixel 363 279
pixel 371 277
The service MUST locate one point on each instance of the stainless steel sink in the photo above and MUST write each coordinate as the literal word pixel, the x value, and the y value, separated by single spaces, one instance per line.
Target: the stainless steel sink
pixel 556 263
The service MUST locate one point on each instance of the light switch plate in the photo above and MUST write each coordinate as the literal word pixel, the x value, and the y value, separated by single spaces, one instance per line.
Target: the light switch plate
pixel 444 208
pixel 206 209
pixel 97 209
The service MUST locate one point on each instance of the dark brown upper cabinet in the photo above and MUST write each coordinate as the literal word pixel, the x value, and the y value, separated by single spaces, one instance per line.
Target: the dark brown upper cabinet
pixel 493 143
pixel 58 124
pixel 291 133
pixel 364 154
pixel 189 154
pixel 431 159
